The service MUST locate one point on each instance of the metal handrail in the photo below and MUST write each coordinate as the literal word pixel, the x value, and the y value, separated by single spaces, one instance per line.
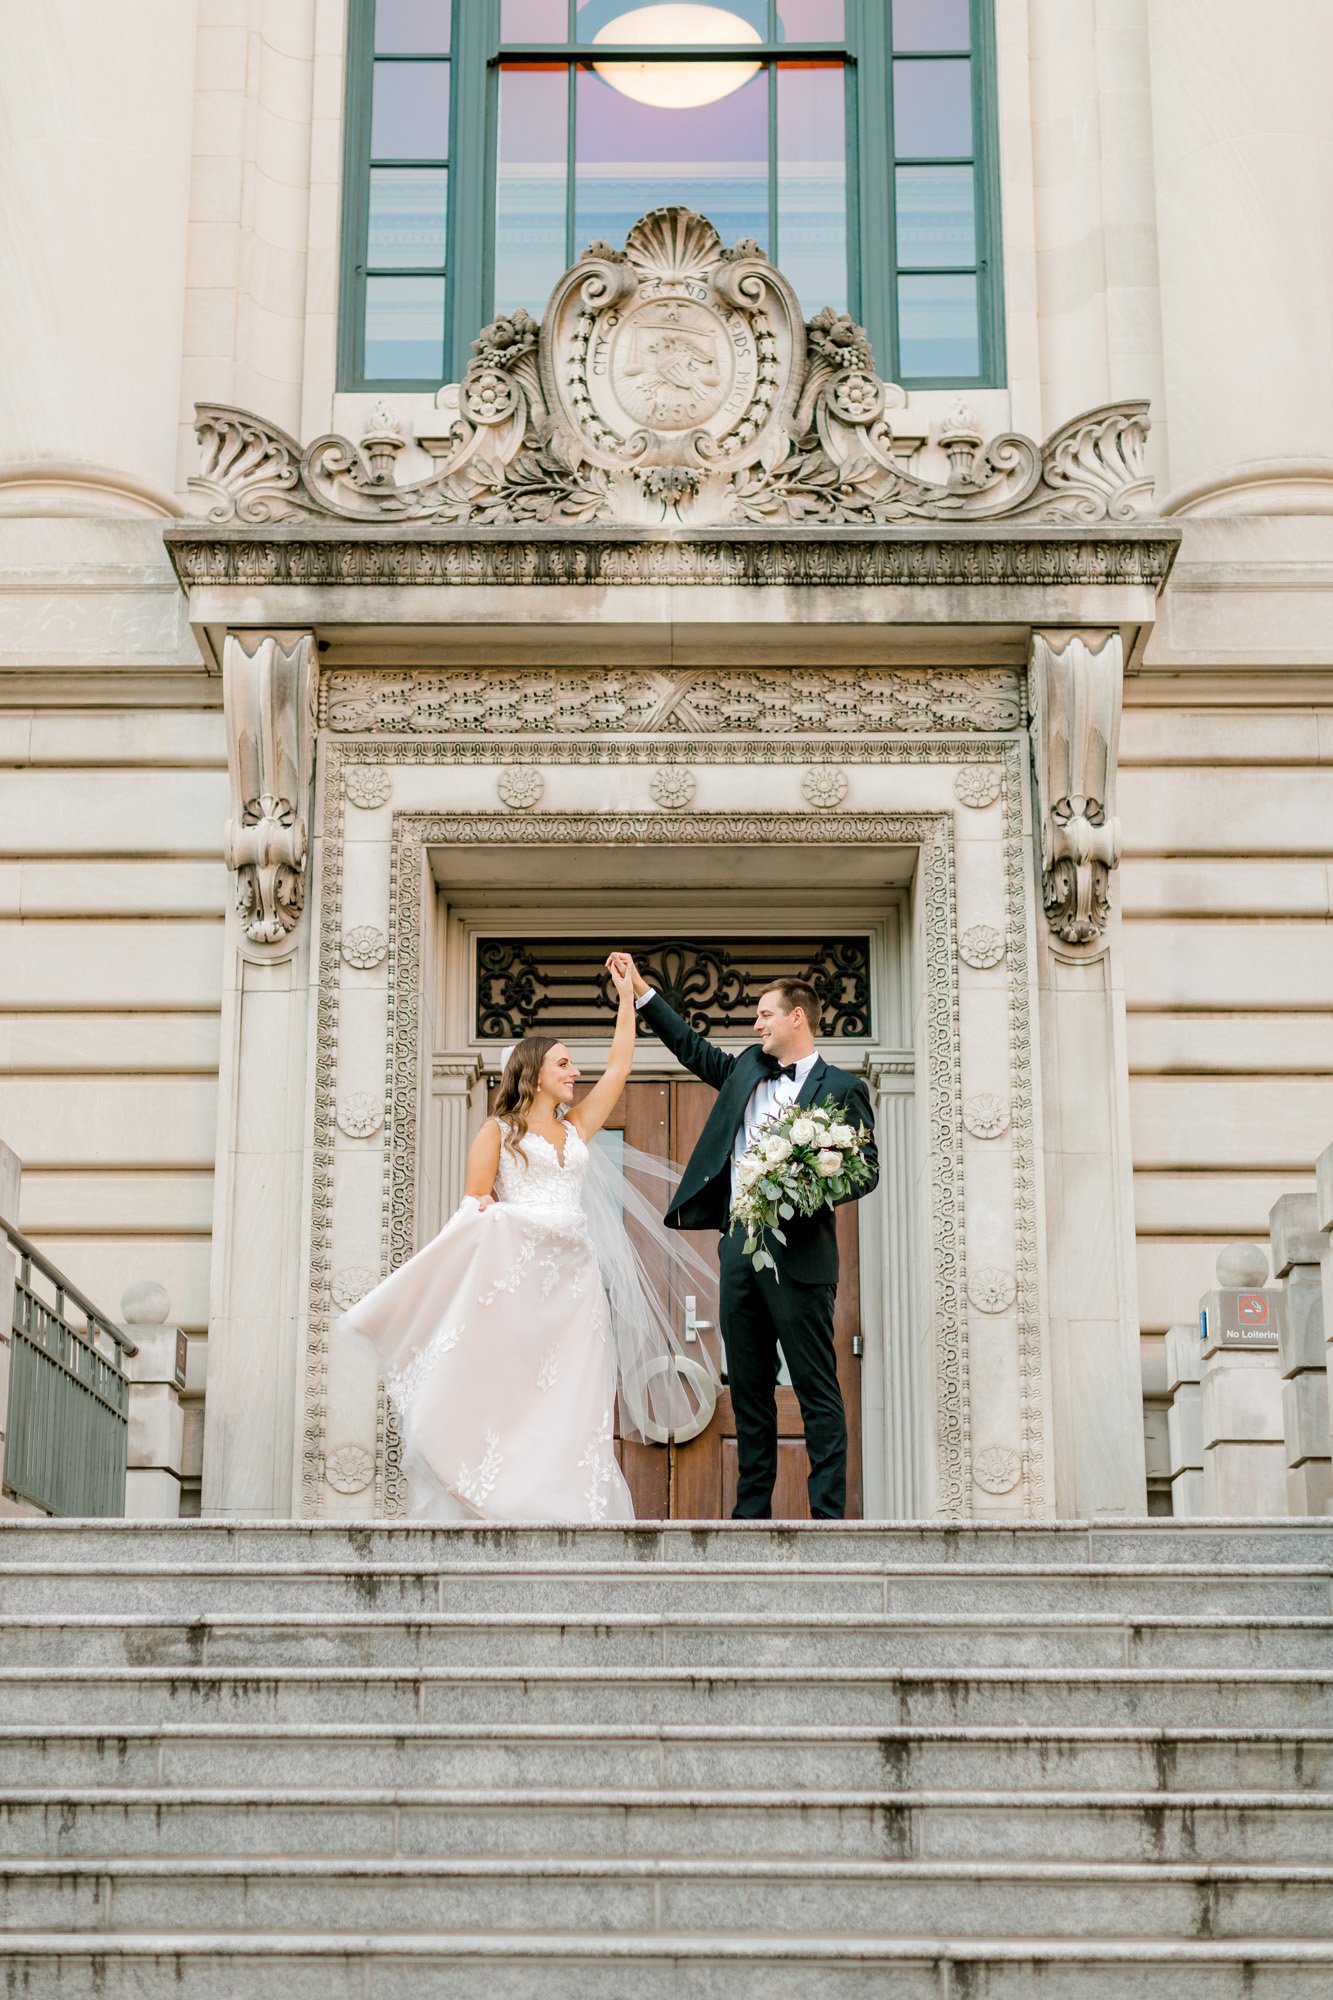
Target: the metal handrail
pixel 64 1289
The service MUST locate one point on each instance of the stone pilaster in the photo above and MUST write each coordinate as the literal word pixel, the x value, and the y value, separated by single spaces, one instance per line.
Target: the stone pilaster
pixel 896 1384
pixel 251 1414
pixel 1075 682
pixel 1293 1223
pixel 455 1077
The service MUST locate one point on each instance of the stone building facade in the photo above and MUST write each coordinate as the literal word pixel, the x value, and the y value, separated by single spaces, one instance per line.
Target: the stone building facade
pixel 672 617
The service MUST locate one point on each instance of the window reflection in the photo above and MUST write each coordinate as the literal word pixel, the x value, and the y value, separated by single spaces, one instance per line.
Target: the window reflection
pixel 412 27
pixel 932 110
pixel 936 216
pixel 632 157
pixel 534 20
pixel 410 113
pixel 408 207
pixel 930 24
pixel 812 182
pixel 810 20
pixel 404 329
pixel 937 325
pixel 673 22
pixel 530 186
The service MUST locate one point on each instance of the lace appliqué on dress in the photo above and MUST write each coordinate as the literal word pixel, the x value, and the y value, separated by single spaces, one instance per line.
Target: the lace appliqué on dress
pixel 599 1460
pixel 475 1486
pixel 513 1277
pixel 403 1385
pixel 546 1373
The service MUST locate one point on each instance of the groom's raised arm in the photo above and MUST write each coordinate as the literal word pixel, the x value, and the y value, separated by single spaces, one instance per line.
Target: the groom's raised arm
pixel 710 1065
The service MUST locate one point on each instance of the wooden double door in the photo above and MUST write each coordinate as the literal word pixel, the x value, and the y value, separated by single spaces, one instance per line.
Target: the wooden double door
pixel 697 1481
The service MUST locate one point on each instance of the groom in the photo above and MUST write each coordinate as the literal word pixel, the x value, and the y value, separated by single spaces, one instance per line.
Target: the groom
pixel 794 1303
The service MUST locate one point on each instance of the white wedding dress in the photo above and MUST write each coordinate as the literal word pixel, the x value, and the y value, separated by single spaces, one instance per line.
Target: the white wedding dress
pixel 496 1348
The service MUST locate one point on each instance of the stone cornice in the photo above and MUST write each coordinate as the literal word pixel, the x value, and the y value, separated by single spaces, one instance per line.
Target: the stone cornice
pixel 358 555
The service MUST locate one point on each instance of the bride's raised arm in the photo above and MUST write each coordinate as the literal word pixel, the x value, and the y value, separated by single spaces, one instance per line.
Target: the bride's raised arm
pixel 602 1099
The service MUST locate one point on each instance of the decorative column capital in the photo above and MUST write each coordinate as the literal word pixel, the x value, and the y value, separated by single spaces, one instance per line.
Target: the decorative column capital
pixel 1076 680
pixel 269 684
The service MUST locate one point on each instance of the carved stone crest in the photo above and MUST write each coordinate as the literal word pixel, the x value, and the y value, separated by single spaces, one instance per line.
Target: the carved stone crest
pixel 673 381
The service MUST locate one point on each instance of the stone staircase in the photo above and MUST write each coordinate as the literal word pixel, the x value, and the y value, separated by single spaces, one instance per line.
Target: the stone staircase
pixel 285 1761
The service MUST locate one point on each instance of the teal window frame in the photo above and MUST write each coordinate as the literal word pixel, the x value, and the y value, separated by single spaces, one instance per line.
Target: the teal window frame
pixel 872 275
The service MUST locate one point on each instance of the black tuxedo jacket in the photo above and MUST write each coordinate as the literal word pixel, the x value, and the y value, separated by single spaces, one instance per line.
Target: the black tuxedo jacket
pixel 703 1199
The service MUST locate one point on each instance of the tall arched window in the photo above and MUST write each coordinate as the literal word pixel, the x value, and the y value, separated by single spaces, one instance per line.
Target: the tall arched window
pixel 490 141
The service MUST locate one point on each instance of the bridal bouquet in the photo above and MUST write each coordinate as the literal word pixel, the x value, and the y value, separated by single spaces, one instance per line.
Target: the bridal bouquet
pixel 796 1163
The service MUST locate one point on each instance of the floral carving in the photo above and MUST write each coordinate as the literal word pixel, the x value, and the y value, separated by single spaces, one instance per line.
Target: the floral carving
pixel 520 786
pixel 996 1468
pixel 991 1289
pixel 349 1468
pixel 351 1283
pixel 360 1114
pixel 825 786
pixel 986 1116
pixel 982 947
pixel 673 785
pixel 672 381
pixel 367 785
pixel 978 785
pixel 364 947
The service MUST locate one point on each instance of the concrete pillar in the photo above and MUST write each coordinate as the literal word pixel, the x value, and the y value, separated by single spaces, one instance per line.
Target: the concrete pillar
pixel 156 1445
pixel 251 1415
pixel 96 122
pixel 1095 215
pixel 1302 1354
pixel 1244 187
pixel 1092 1295
pixel 1244 1457
pixel 1184 1421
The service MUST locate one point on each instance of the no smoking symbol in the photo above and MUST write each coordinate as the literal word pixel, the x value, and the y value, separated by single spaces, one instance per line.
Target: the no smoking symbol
pixel 1252 1309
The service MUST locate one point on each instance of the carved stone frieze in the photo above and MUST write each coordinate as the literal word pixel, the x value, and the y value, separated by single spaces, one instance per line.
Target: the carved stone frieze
pixel 991 1289
pixel 1076 692
pixel 360 1114
pixel 305 555
pixel 997 1468
pixel 269 688
pixel 483 703
pixel 349 1468
pixel 986 1115
pixel 364 947
pixel 673 381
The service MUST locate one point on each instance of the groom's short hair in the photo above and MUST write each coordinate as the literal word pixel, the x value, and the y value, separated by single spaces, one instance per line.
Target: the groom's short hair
pixel 797 993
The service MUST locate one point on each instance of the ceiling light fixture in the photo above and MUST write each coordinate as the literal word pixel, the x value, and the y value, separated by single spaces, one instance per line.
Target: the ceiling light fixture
pixel 669 86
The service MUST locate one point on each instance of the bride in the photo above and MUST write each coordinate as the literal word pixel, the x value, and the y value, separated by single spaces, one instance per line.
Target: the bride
pixel 503 1342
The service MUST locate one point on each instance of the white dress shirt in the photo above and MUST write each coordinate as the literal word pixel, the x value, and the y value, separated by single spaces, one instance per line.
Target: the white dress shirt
pixel 770 1095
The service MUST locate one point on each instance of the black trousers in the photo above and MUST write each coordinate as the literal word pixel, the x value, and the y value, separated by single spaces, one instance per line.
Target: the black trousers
pixel 758 1311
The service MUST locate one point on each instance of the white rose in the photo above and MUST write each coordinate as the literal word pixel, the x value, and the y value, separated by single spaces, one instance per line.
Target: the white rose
pixel 748 1170
pixel 842 1135
pixel 828 1163
pixel 802 1131
pixel 777 1149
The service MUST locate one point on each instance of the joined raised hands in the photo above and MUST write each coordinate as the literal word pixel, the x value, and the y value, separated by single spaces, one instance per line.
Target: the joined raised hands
pixel 625 974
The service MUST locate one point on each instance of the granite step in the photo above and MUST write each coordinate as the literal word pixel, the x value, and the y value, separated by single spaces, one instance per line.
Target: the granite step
pixel 1218 1544
pixel 528 1639
pixel 996 1590
pixel 583 1756
pixel 108 1698
pixel 1235 1826
pixel 504 1895
pixel 721 1966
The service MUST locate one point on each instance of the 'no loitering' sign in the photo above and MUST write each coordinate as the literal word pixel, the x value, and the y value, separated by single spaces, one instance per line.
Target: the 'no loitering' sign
pixel 1241 1318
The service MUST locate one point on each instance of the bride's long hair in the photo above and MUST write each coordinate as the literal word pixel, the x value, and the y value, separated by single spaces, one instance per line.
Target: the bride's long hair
pixel 518 1088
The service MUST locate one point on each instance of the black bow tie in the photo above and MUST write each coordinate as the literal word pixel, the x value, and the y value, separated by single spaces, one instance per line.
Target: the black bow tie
pixel 772 1068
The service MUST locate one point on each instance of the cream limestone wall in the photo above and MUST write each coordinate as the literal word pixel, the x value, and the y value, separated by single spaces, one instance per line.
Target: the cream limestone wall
pixel 1167 179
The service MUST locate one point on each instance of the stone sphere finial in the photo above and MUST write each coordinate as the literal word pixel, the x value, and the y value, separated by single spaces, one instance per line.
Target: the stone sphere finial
pixel 145 1303
pixel 1241 1266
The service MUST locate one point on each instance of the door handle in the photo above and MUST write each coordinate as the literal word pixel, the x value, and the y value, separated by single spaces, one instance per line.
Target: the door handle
pixel 694 1326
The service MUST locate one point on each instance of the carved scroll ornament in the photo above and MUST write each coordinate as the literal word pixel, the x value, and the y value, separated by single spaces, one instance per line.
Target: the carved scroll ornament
pixel 269 694
pixel 674 381
pixel 1075 694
